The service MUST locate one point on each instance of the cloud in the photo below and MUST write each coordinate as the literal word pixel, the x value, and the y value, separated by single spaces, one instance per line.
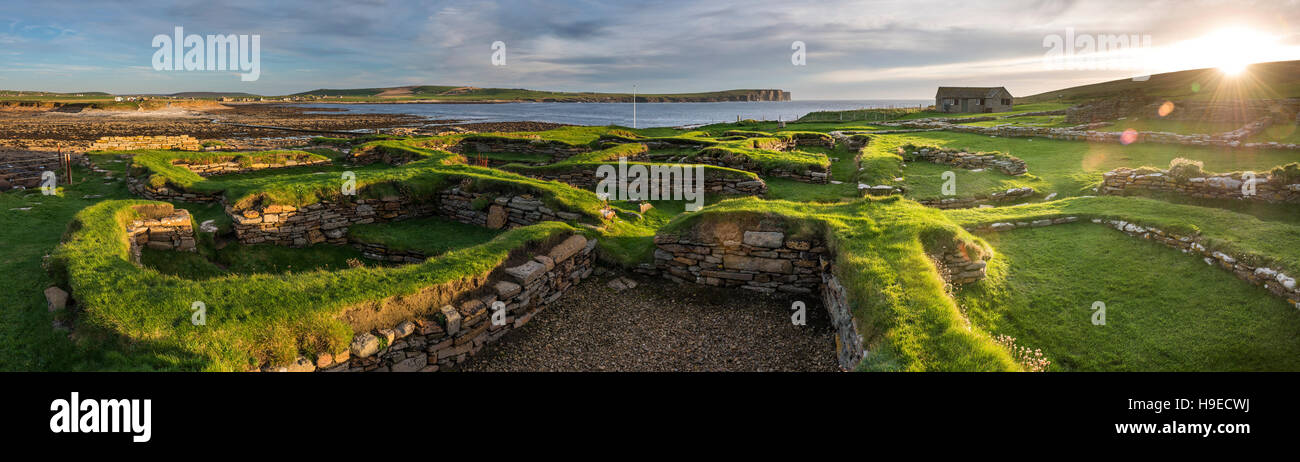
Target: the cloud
pixel 856 49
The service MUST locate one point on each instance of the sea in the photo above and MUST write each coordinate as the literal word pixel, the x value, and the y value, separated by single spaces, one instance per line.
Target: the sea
pixel 647 114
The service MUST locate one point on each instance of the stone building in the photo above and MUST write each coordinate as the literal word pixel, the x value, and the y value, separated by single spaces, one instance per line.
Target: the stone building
pixel 972 99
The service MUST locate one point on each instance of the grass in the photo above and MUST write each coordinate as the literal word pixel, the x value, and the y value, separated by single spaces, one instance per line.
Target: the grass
pixel 431 236
pixel 250 319
pixel 1282 132
pixel 880 246
pixel 1184 127
pixel 1041 287
pixel 842 169
pixel 1069 168
pixel 1271 242
pixel 1050 121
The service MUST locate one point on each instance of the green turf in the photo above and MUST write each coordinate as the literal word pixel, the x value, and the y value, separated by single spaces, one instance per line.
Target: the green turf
pixel 1041 288
pixel 431 236
pixel 1185 127
pixel 1068 168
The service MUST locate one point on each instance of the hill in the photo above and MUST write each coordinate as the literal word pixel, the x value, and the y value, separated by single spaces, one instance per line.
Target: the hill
pixel 1259 81
pixel 475 94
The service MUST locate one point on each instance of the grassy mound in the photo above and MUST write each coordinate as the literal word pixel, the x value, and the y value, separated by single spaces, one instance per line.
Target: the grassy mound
pixel 250 319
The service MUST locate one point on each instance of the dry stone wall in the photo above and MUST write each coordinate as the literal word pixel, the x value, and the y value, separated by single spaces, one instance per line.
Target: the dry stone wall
pixel 966 160
pixel 1225 186
pixel 127 143
pixel 724 158
pixel 325 221
pixel 229 167
pixel 328 221
pixel 454 332
pixel 729 185
pixel 161 228
pixel 142 188
pixel 1010 195
pixel 766 261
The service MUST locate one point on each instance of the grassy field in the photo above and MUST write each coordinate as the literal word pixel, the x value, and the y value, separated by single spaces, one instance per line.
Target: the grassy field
pixel 275 303
pixel 1068 168
pixel 1041 287
pixel 1185 127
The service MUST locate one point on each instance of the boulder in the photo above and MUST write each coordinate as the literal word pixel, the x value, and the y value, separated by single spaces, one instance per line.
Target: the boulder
pixel 496 217
pixel 55 299
pixel 364 345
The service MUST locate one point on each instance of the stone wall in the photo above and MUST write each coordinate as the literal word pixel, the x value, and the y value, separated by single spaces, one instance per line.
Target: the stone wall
pixel 1271 190
pixel 556 150
pixel 585 178
pixel 766 261
pixel 1275 281
pixel 325 221
pixel 127 143
pixel 454 332
pixel 497 212
pixel 1232 139
pixel 161 227
pixel 328 221
pixel 229 167
pixel 1013 194
pixel 725 158
pixel 849 345
pixel 763 261
pixel 965 160
pixel 141 188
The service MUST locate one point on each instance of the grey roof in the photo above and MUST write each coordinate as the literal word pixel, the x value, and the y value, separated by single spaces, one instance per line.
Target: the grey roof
pixel 972 92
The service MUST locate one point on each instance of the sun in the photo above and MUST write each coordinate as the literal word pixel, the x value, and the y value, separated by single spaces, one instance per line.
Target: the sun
pixel 1231 49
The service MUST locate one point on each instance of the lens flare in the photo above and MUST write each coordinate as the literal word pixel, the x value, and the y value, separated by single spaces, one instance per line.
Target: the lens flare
pixel 1128 137
pixel 1165 108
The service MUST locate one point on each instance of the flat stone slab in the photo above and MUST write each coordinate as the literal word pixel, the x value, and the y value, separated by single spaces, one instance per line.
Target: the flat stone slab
pixel 527 272
pixel 766 239
pixel 567 248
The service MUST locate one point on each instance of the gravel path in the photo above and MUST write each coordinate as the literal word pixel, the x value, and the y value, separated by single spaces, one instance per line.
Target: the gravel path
pixel 663 326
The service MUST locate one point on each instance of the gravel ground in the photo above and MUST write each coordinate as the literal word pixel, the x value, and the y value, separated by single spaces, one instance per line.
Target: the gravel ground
pixel 663 326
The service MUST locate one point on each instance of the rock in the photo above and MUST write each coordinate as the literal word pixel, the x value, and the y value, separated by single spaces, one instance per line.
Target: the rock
pixel 507 289
pixel 453 319
pixel 567 248
pixel 55 299
pixel 496 217
pixel 404 329
pixel 767 265
pixel 413 364
pixel 769 240
pixel 300 365
pixel 364 345
pixel 324 360
pixel 208 226
pixel 527 272
pixel 617 284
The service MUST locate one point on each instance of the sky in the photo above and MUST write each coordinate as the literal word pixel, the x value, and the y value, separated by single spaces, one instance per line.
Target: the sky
pixel 889 49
